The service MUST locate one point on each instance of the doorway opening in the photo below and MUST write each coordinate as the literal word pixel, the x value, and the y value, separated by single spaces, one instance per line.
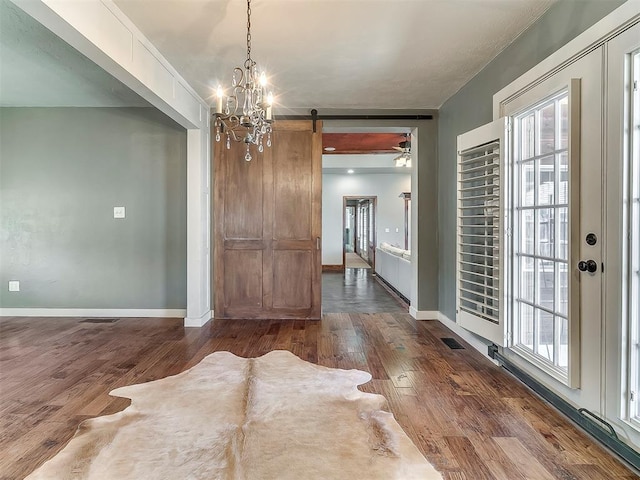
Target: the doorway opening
pixel 359 232
pixel 364 212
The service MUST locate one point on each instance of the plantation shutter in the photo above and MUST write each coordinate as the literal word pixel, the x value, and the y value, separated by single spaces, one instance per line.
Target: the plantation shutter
pixel 481 277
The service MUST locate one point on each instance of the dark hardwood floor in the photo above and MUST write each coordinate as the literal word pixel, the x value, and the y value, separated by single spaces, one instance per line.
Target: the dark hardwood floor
pixel 357 291
pixel 468 416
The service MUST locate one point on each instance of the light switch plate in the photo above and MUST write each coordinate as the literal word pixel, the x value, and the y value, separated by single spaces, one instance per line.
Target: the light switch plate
pixel 118 212
pixel 14 285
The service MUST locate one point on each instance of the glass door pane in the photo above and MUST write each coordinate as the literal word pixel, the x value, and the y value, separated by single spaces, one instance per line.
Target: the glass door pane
pixel 541 238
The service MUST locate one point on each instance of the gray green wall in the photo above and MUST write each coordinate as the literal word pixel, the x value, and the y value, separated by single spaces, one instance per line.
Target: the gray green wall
pixel 472 106
pixel 62 170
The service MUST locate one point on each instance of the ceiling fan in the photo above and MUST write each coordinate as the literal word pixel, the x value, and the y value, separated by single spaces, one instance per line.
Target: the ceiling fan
pixel 404 159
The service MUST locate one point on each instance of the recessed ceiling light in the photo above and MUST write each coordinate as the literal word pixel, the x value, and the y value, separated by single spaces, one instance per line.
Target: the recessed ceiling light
pixel 349 171
pixel 329 149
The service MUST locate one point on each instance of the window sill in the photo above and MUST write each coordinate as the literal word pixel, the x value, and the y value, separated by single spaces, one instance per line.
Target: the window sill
pixel 556 373
pixel 632 423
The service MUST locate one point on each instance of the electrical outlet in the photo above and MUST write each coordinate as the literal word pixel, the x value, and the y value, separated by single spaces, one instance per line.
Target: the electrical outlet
pixel 386 230
pixel 118 212
pixel 14 285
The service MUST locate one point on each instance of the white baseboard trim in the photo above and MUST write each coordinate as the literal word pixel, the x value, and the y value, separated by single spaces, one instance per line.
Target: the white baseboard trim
pixel 198 321
pixel 93 312
pixel 475 341
pixel 423 314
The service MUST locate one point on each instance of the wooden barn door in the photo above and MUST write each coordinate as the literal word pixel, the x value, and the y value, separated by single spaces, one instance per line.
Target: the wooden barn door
pixel 267 257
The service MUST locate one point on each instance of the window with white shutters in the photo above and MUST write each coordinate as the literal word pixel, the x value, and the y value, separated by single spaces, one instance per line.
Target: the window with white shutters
pixel 480 232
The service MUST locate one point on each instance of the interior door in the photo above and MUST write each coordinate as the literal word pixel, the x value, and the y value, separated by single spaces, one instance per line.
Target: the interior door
pixel 268 226
pixel 363 214
pixel 371 242
pixel 349 233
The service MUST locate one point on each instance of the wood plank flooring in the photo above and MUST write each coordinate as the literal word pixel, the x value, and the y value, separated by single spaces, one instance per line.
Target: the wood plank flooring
pixel 467 416
pixel 356 290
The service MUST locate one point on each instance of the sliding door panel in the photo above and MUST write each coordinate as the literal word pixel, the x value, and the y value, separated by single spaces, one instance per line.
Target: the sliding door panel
pixel 267 257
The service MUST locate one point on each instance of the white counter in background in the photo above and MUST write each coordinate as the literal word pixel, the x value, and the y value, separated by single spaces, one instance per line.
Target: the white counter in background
pixel 393 265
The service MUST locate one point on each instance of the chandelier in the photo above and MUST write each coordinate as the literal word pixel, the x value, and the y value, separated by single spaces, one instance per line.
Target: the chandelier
pixel 245 114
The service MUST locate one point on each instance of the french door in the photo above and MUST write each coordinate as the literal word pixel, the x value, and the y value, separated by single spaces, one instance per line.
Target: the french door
pixel 551 273
pixel 556 207
pixel 622 314
pixel 534 282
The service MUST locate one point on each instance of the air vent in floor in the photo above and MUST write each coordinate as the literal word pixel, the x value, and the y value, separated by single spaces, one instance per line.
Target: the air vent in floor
pixel 452 343
pixel 100 320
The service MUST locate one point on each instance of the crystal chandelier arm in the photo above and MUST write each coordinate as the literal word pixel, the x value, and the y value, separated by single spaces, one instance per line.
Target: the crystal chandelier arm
pixel 232 128
pixel 238 81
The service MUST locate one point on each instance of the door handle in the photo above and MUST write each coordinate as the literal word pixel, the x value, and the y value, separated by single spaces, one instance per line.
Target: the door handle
pixel 317 243
pixel 589 266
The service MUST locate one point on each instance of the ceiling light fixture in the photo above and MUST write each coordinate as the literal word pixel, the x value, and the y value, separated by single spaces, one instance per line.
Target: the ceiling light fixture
pixel 245 114
pixel 404 159
pixel 350 171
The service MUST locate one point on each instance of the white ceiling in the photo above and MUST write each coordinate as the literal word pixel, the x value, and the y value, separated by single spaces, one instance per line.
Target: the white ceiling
pixel 38 69
pixel 347 54
pixel 325 54
pixel 361 164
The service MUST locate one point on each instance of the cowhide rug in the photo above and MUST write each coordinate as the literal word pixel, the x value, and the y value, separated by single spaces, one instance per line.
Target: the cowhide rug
pixel 232 418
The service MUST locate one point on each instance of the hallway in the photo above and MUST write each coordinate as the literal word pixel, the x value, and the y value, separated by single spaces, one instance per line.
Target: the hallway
pixel 356 291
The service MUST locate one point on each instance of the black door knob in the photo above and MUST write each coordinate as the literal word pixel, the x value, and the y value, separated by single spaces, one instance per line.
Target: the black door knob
pixel 589 266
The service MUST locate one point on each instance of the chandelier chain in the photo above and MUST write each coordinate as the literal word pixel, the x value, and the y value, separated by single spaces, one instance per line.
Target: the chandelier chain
pixel 249 61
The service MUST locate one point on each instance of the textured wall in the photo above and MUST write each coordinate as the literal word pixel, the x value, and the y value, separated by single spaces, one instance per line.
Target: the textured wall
pixel 62 170
pixel 390 214
pixel 472 106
